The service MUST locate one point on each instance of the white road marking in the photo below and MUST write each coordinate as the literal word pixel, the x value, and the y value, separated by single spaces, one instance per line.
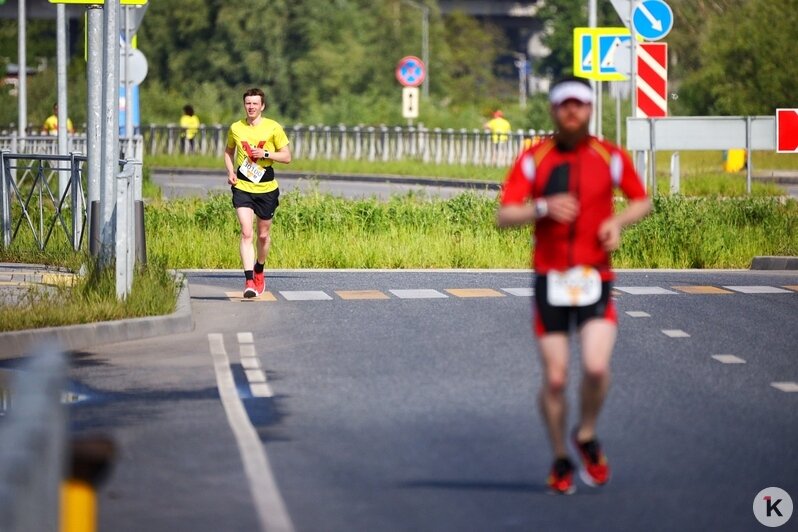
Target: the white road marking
pixel 644 290
pixel 255 375
pixel 246 350
pixel 638 314
pixel 305 295
pixel 261 389
pixel 245 338
pixel 520 292
pixel 422 293
pixel 785 386
pixel 250 363
pixel 759 289
pixel 269 504
pixel 728 359
pixel 675 333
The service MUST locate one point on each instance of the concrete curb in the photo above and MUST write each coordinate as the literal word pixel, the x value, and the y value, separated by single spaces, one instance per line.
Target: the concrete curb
pixel 18 343
pixel 774 263
pixel 357 178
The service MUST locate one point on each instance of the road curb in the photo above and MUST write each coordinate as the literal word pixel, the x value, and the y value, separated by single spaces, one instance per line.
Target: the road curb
pixel 774 263
pixel 356 178
pixel 18 343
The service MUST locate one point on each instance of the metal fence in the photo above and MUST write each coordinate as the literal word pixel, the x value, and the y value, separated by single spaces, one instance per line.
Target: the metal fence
pixel 76 143
pixel 382 143
pixel 32 445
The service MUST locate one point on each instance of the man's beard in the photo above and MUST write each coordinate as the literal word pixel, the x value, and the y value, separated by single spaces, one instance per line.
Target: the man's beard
pixel 571 138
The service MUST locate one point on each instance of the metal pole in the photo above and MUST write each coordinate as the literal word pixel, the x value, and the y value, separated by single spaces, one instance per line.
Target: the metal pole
pixel 600 109
pixel 618 117
pixel 748 169
pixel 94 101
pixel 128 87
pixel 22 76
pixel 592 21
pixel 425 50
pixel 61 82
pixel 110 129
pixel 5 201
pixel 633 73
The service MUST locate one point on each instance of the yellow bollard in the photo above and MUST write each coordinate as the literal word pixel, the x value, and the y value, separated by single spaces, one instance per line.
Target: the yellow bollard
pixel 78 506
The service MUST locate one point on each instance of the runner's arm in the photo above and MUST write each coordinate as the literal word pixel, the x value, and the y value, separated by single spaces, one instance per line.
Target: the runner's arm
pixel 228 163
pixel 610 231
pixel 283 155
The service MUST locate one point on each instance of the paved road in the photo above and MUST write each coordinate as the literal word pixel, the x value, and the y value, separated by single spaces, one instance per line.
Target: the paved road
pixel 203 182
pixel 393 401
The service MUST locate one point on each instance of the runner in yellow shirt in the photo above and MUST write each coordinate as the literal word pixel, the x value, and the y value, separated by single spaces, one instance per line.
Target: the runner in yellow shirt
pixel 254 144
pixel 498 126
pixel 50 125
pixel 189 125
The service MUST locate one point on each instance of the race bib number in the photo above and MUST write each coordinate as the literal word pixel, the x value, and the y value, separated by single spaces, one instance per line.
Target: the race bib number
pixel 578 287
pixel 252 171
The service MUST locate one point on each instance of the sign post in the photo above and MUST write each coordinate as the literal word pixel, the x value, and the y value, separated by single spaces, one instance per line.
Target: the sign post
pixel 410 73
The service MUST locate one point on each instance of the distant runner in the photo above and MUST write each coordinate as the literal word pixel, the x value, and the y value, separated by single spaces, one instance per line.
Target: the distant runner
pixel 565 186
pixel 253 145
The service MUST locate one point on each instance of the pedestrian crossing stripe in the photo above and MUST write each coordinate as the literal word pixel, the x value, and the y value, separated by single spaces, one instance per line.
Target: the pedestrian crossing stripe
pixel 482 293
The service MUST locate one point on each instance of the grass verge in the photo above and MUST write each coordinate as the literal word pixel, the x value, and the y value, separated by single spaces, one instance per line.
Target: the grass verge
pixel 92 299
pixel 321 231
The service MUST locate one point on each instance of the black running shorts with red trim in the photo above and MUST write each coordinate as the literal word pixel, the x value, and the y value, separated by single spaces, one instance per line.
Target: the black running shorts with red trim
pixel 550 319
pixel 263 205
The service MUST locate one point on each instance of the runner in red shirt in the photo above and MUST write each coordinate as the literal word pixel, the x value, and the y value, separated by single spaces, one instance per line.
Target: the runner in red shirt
pixel 565 186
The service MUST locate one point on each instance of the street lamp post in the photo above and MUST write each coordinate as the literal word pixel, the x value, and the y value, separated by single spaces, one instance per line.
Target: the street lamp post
pixel 424 41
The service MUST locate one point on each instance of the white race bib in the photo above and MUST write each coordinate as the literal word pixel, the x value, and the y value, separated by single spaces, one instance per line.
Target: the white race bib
pixel 252 171
pixel 579 286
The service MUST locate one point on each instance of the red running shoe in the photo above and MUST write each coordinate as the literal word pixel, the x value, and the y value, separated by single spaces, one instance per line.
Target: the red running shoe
pixel 561 478
pixel 595 471
pixel 260 282
pixel 249 289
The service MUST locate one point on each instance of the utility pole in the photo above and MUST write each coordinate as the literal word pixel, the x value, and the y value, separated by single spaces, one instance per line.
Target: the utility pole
pixel 61 85
pixel 22 73
pixel 110 129
pixel 424 41
pixel 592 21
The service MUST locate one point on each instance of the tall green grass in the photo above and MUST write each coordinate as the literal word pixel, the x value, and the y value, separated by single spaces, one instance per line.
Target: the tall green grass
pixel 321 231
pixel 93 298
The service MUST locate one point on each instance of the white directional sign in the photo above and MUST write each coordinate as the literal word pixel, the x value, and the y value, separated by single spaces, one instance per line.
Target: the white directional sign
pixel 410 103
pixel 652 19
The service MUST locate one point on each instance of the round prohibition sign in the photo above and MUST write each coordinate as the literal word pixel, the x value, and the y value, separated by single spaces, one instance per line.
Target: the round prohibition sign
pixel 411 71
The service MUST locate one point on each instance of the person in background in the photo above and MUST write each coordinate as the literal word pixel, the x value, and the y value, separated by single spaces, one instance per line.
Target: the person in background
pixel 189 124
pixel 499 128
pixel 50 125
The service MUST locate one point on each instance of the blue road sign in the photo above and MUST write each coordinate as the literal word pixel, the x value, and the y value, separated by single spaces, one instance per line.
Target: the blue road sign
pixel 411 71
pixel 609 47
pixel 587 53
pixel 652 19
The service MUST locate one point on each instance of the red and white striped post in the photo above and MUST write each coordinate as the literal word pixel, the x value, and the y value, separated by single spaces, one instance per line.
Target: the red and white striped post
pixel 652 80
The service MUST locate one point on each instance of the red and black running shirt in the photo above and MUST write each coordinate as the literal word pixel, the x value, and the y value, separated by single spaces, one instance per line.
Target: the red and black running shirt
pixel 590 171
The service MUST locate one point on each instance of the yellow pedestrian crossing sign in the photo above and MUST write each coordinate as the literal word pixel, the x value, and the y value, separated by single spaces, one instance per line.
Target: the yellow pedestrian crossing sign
pixel 595 52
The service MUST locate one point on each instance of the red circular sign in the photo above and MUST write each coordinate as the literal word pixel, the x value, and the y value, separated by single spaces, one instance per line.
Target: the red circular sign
pixel 410 71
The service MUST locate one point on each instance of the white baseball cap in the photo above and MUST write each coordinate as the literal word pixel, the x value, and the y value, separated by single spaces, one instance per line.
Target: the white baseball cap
pixel 571 89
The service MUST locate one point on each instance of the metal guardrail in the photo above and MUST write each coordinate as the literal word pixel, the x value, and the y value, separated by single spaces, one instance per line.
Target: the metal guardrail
pixel 32 445
pixel 319 142
pixel 48 144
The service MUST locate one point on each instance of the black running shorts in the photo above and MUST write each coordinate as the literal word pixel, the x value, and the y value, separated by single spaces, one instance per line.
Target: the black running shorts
pixel 551 319
pixel 263 205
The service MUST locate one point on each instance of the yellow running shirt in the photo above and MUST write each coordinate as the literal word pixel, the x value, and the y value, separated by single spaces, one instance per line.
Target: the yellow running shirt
pixel 267 131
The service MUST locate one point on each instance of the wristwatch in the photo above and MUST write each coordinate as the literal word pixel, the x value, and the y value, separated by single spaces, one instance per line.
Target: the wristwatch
pixel 541 208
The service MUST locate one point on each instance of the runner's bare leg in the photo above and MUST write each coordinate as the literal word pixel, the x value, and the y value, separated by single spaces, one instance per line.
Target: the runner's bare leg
pixel 264 239
pixel 554 355
pixel 597 339
pixel 245 219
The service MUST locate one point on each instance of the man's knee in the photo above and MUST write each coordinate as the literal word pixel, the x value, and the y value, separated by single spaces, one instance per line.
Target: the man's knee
pixel 554 384
pixel 264 235
pixel 597 372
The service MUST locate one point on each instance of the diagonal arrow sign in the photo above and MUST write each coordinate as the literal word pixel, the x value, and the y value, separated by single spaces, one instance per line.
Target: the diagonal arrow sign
pixel 655 22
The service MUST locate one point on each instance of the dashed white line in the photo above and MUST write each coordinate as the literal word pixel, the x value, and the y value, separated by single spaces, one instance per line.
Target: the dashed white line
pixel 638 314
pixel 269 504
pixel 250 363
pixel 789 387
pixel 675 333
pixel 255 375
pixel 245 338
pixel 644 290
pixel 756 289
pixel 520 292
pixel 261 390
pixel 305 295
pixel 422 293
pixel 728 359
pixel 246 350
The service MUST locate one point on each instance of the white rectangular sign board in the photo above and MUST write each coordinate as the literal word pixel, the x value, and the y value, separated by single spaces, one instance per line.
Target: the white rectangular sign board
pixel 700 133
pixel 410 102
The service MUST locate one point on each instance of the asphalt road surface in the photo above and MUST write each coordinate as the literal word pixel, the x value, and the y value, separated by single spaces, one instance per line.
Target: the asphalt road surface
pixel 393 401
